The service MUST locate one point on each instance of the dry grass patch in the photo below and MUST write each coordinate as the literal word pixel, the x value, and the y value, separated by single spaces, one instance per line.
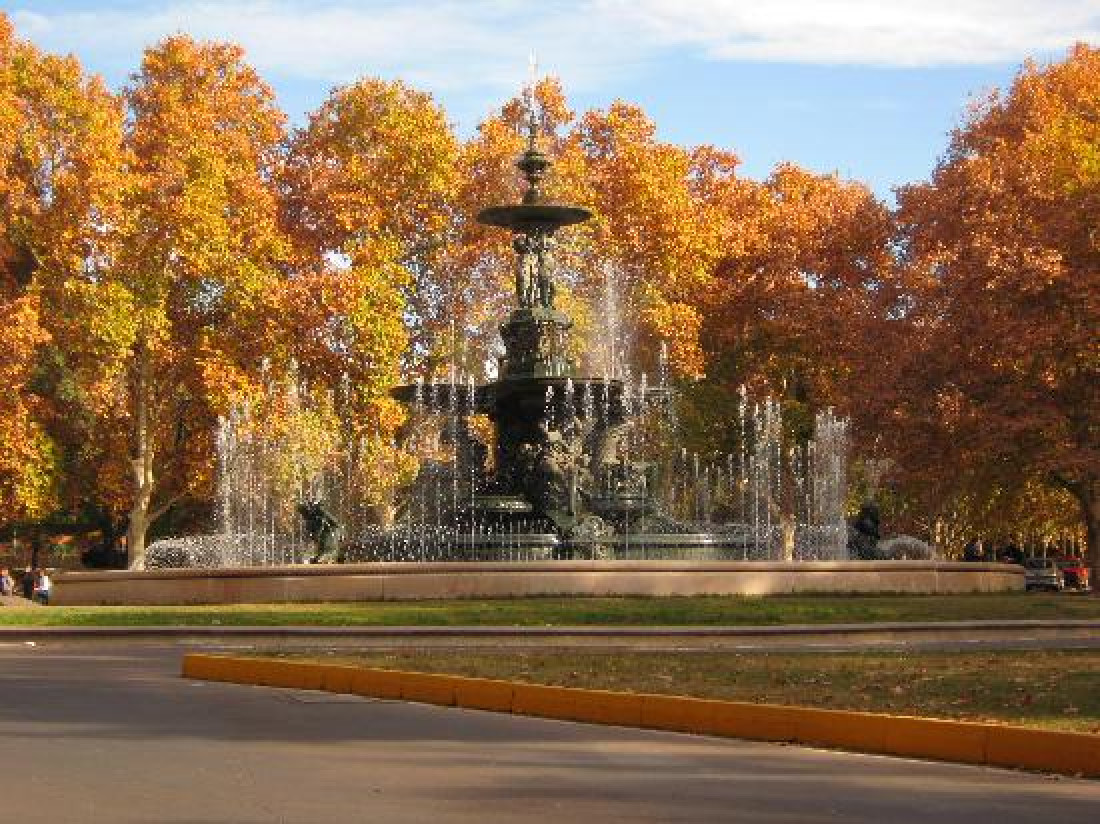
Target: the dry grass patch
pixel 633 611
pixel 1051 689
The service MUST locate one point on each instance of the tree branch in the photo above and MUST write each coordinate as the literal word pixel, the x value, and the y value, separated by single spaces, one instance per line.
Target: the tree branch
pixel 164 507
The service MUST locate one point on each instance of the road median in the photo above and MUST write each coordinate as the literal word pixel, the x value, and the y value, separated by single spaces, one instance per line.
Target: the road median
pixel 996 745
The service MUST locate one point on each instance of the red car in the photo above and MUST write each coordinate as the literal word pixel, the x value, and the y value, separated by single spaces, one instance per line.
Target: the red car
pixel 1074 572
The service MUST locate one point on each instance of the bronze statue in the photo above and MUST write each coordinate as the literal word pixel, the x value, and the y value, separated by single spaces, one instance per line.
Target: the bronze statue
pixel 534 276
pixel 527 266
pixel 863 533
pixel 324 531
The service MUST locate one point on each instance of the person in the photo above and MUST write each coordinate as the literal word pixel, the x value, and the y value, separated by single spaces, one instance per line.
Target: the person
pixel 7 583
pixel 1012 554
pixel 42 585
pixel 28 583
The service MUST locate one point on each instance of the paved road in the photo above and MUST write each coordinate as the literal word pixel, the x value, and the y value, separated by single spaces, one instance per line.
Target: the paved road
pixel 107 732
pixel 916 636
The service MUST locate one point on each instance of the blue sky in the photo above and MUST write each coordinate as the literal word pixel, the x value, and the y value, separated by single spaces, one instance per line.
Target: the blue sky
pixel 866 88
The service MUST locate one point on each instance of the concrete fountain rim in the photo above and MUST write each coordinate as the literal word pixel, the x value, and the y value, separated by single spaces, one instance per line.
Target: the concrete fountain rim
pixel 390 568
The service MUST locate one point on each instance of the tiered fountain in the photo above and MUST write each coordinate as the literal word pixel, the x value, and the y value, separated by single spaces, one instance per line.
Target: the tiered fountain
pixel 560 477
pixel 577 495
pixel 582 467
pixel 567 478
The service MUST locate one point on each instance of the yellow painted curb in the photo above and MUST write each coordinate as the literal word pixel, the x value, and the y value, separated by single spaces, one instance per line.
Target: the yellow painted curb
pixel 605 707
pixel 960 741
pixel 1063 752
pixel 376 683
pixel 336 678
pixel 484 694
pixel 428 688
pixel 761 722
pixel 290 674
pixel 547 702
pixel 205 667
pixel 677 713
pixel 861 731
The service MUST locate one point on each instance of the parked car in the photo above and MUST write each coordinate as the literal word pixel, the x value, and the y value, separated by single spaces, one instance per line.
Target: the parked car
pixel 1074 572
pixel 1043 573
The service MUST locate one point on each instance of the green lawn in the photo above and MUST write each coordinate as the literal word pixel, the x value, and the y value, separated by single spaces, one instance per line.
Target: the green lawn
pixel 694 611
pixel 1052 689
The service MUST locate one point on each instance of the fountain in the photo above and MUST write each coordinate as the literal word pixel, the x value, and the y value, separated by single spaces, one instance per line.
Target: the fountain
pixel 570 474
pixel 577 484
pixel 576 466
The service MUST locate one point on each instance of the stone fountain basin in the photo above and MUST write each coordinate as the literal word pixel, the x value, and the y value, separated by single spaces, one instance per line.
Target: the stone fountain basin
pixel 473 579
pixel 443 390
pixel 527 217
pixel 446 396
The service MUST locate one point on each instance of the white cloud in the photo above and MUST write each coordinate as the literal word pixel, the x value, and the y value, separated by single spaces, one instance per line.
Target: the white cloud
pixel 449 45
pixel 864 32
pixel 443 44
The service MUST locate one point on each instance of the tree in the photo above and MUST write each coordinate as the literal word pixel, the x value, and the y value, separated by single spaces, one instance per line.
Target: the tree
pixel 658 227
pixel 21 449
pixel 1005 249
pixel 804 305
pixel 27 455
pixel 198 261
pixel 650 248
pixel 368 186
pixel 60 151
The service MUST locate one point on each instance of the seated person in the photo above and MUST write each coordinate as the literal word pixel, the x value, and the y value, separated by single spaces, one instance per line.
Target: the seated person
pixel 42 586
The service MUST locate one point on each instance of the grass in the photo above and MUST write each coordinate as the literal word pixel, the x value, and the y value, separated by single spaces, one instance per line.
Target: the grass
pixel 1051 689
pixel 680 611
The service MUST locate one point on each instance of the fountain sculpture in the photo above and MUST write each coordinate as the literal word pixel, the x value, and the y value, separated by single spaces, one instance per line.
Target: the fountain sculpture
pixel 580 483
pixel 565 474
pixel 572 470
pixel 559 474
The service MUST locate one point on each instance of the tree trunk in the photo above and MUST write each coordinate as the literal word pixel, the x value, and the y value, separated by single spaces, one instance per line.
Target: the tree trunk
pixel 36 549
pixel 1087 494
pixel 135 534
pixel 1091 510
pixel 142 464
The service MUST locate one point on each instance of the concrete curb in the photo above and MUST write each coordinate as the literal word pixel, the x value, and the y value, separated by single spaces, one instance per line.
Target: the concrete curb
pixel 959 741
pixel 414 581
pixel 965 630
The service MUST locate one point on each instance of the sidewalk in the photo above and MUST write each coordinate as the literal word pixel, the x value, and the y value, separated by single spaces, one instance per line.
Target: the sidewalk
pixel 16 601
pixel 951 634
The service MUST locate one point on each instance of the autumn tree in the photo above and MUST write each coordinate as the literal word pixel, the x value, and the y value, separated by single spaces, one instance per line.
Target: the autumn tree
pixel 368 187
pixel 803 305
pixel 198 257
pixel 651 246
pixel 1005 249
pixel 21 449
pixel 368 196
pixel 60 156
pixel 27 455
pixel 658 229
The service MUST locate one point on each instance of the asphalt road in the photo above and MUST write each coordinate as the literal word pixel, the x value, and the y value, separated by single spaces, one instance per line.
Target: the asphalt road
pixel 108 732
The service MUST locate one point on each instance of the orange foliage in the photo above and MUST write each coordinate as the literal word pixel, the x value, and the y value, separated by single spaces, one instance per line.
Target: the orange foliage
pixel 801 306
pixel 27 470
pixel 150 265
pixel 1003 243
pixel 657 231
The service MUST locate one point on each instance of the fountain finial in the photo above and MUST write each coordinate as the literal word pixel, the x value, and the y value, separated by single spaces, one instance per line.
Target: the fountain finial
pixel 529 99
pixel 534 222
pixel 533 163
